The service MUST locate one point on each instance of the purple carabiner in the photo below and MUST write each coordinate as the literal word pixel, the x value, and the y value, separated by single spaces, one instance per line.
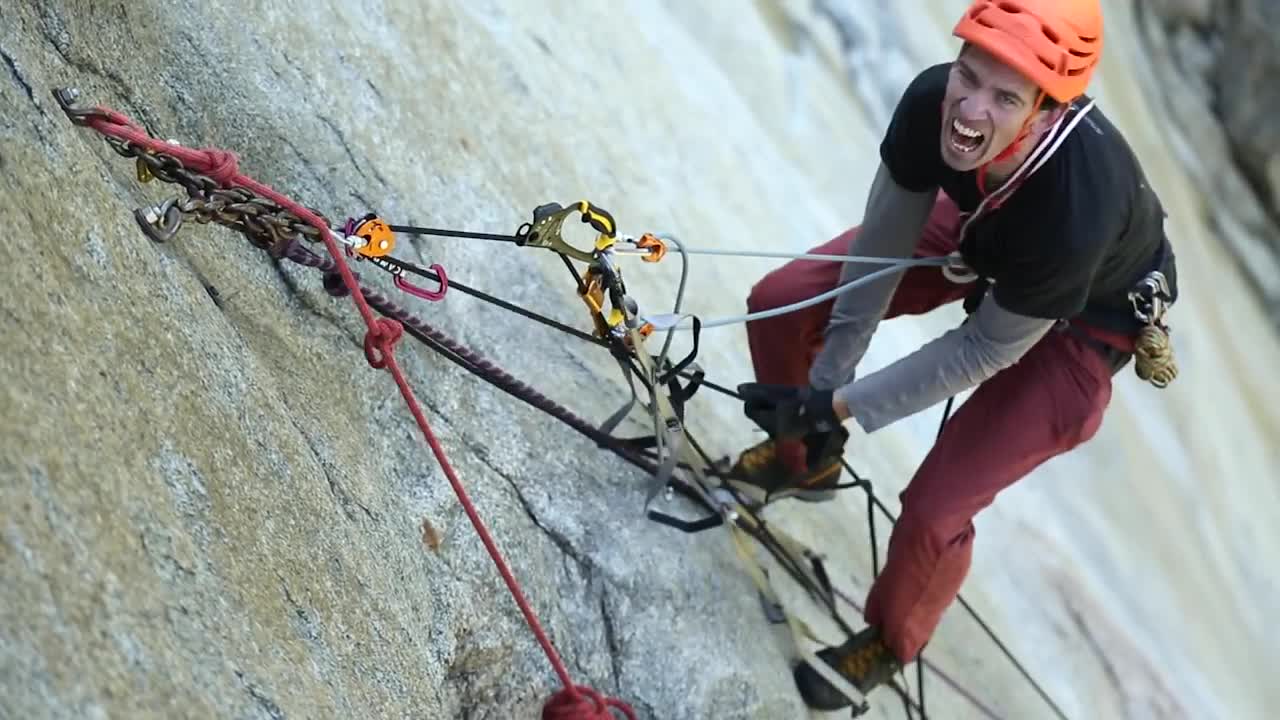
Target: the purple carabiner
pixel 432 295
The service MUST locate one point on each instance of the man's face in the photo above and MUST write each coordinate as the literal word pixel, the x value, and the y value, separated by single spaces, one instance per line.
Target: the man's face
pixel 984 109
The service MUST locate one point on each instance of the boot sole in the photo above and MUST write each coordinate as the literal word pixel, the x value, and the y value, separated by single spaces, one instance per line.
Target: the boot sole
pixel 762 497
pixel 804 495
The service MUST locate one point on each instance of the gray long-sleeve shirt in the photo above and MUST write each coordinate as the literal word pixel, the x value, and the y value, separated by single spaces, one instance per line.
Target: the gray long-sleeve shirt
pixel 959 359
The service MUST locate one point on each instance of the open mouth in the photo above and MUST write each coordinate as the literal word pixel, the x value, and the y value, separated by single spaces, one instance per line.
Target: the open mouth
pixel 964 139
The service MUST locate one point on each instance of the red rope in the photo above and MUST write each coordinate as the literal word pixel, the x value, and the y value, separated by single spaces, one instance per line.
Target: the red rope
pixel 574 702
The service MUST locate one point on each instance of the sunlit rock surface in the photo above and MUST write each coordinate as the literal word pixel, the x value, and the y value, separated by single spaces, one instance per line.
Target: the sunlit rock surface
pixel 211 507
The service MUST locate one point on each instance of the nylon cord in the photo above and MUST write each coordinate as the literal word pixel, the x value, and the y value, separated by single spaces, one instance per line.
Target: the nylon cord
pixel 873 500
pixel 871 497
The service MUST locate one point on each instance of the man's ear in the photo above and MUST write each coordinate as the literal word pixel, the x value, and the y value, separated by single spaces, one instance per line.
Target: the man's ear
pixel 1044 119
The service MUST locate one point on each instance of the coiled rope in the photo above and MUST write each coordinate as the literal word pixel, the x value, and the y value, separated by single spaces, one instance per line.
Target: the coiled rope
pixel 1153 356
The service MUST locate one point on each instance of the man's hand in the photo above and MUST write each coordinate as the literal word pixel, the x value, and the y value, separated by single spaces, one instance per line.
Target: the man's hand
pixel 788 411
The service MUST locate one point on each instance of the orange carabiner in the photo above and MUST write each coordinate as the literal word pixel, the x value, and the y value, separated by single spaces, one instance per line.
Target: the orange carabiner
pixel 655 247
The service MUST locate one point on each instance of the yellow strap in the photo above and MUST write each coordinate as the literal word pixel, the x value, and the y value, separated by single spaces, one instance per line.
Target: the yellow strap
pixel 800 630
pixel 664 417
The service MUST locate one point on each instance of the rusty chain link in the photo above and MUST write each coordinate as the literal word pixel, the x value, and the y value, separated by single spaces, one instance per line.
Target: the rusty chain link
pixel 264 223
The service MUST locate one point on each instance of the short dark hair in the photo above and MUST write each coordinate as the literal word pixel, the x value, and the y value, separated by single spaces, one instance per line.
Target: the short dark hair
pixel 1047 102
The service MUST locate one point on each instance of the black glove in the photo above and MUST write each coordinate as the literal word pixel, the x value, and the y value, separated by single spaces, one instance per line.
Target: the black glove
pixel 788 411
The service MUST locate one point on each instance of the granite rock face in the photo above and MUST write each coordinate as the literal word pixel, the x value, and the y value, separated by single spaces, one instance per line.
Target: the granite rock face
pixel 210 506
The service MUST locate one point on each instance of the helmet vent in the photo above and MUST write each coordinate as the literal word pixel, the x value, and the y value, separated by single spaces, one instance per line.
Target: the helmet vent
pixel 1057 43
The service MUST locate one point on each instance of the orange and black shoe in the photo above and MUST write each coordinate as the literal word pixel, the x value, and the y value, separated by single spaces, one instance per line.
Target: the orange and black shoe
pixel 776 469
pixel 864 660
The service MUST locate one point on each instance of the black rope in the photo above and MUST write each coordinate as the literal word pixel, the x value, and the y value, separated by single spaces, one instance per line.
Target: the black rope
pixel 873 501
pixel 978 618
pixel 543 319
pixel 504 304
pixel 411 230
pixel 871 522
pixel 485 371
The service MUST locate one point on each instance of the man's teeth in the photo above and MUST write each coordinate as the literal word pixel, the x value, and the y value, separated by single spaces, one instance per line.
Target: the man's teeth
pixel 966 139
pixel 964 129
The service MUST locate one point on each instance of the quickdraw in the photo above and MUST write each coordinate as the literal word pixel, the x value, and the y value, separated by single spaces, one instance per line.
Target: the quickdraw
pixel 618 325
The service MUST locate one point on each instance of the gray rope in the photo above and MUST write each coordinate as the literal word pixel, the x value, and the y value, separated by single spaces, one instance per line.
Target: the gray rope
pixel 667 322
pixel 765 254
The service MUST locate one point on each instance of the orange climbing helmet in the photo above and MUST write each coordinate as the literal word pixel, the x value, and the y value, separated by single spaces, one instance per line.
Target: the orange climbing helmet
pixel 1055 43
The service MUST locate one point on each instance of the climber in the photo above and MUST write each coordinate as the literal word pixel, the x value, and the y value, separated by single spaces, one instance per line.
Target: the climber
pixel 1000 161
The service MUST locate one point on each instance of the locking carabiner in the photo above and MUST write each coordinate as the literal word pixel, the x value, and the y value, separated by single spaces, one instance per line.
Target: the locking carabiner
pixel 1151 298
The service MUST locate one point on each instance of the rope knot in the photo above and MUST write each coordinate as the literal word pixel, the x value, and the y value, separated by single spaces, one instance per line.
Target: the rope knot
pixel 583 703
pixel 380 341
pixel 223 166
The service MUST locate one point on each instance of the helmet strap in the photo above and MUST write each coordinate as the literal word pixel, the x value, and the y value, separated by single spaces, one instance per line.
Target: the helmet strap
pixel 1023 133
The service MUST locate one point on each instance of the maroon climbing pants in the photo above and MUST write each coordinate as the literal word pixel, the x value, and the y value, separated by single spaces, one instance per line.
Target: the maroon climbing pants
pixel 1047 403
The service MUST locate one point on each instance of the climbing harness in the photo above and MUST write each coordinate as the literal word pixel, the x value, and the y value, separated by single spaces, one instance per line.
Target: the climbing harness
pixel 1150 297
pixel 217 192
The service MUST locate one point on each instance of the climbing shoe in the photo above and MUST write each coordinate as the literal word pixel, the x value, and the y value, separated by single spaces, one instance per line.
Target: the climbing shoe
pixel 864 660
pixel 807 469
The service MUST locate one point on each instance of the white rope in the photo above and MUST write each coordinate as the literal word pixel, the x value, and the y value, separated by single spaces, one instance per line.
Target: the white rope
pixel 1038 157
pixel 794 256
pixel 678 321
pixel 673 321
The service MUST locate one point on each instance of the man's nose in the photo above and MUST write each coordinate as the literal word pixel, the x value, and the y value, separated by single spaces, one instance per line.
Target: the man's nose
pixel 973 106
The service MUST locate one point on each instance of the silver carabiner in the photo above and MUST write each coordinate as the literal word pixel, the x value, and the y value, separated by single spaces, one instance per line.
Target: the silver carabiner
pixel 1151 298
pixel 957 271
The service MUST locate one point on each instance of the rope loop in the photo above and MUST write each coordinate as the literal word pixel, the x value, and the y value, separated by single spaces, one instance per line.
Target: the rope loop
pixel 583 703
pixel 380 340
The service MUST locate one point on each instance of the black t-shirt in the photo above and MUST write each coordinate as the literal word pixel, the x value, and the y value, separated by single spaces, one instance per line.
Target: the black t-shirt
pixel 1071 241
